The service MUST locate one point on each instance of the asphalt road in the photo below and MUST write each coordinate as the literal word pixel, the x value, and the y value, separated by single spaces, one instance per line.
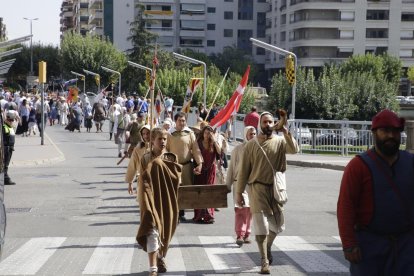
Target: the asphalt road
pixel 77 218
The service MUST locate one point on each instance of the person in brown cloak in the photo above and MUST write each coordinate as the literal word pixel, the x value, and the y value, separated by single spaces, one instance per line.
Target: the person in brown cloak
pixel 158 200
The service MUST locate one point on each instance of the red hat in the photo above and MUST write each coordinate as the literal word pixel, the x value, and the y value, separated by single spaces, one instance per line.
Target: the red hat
pixel 387 118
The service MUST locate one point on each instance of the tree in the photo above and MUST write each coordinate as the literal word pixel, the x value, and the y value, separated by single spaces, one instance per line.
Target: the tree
pixel 410 74
pixel 142 47
pixel 21 67
pixel 90 52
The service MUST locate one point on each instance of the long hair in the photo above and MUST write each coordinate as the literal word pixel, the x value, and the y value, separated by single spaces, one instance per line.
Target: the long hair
pixel 200 137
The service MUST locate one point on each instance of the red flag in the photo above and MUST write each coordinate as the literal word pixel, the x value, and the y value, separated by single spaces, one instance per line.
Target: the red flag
pixel 233 105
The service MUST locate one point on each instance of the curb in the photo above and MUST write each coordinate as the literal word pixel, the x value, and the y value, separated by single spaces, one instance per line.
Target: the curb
pixel 316 165
pixel 44 161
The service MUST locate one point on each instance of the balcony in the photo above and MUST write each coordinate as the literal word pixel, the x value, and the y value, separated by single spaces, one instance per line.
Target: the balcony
pixel 95 4
pixel 96 17
pixel 295 2
pixel 193 33
pixel 158 12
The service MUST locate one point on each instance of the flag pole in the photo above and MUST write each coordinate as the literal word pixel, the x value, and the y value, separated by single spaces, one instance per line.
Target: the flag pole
pixel 152 86
pixel 218 90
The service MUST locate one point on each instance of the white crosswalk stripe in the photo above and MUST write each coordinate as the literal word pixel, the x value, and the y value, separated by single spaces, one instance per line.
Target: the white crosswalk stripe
pixel 113 255
pixel 208 255
pixel 309 257
pixel 29 258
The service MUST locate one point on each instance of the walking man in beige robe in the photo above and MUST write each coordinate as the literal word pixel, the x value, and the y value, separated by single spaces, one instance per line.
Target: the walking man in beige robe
pixel 182 142
pixel 256 171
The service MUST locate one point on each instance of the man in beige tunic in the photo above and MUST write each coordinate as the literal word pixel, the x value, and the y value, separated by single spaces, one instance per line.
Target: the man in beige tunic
pixel 256 171
pixel 182 142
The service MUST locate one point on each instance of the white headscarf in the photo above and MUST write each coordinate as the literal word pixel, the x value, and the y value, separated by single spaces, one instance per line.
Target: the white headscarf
pixel 246 130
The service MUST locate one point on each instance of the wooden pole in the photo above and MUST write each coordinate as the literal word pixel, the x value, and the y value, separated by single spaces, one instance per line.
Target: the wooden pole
pixel 217 92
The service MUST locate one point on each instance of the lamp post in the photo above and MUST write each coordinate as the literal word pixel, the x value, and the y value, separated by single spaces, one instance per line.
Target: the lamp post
pixel 82 78
pixel 195 61
pixel 284 52
pixel 115 72
pixel 31 45
pixel 95 75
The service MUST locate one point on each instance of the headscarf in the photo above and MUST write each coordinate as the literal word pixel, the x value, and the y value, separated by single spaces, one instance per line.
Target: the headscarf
pixel 246 130
pixel 259 128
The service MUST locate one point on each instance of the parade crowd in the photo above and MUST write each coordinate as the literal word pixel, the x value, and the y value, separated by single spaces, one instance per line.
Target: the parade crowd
pixel 375 206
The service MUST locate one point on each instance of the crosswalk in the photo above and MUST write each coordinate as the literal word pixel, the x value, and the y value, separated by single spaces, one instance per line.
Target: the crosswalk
pixel 188 255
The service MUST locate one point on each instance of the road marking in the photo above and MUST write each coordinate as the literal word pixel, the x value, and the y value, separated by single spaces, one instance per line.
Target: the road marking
pixel 113 255
pixel 309 257
pixel 225 255
pixel 174 259
pixel 31 256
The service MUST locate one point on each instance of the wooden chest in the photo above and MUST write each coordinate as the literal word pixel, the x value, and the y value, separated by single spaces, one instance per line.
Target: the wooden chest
pixel 202 196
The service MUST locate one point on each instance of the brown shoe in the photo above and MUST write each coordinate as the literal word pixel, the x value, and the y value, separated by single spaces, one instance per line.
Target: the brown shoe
pixel 265 267
pixel 162 267
pixel 153 273
pixel 246 239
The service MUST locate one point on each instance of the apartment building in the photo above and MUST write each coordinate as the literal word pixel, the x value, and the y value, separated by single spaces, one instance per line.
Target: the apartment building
pixel 324 31
pixel 74 16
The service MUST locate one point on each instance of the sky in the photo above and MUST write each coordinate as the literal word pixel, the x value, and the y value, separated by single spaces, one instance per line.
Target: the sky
pixel 46 29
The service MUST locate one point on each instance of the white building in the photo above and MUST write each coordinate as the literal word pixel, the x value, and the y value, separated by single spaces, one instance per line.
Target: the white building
pixel 323 31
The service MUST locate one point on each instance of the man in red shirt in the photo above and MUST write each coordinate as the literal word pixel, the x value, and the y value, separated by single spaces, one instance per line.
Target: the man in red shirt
pixel 252 119
pixel 375 205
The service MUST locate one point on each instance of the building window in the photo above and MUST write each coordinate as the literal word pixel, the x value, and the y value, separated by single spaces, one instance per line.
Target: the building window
pixel 260 51
pixel 148 7
pixel 243 40
pixel 407 16
pixel 211 43
pixel 376 33
pixel 211 27
pixel 283 36
pixel 245 10
pixel 166 8
pixel 228 0
pixel 166 24
pixel 261 1
pixel 211 10
pixel 283 19
pixel 192 9
pixel 378 15
pixel 228 15
pixel 192 25
pixel 228 33
pixel 261 24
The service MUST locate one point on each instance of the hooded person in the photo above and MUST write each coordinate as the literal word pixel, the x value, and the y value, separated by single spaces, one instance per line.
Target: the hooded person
pixel 243 217
pixel 140 149
pixel 158 184
pixel 118 127
pixel 375 207
pixel 262 157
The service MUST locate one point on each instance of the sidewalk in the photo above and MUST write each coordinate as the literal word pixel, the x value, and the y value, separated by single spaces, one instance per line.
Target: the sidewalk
pixel 29 152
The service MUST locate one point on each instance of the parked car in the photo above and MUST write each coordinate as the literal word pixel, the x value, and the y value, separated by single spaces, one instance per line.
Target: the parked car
pixel 403 138
pixel 364 138
pixel 327 137
pixel 400 99
pixel 303 135
pixel 409 100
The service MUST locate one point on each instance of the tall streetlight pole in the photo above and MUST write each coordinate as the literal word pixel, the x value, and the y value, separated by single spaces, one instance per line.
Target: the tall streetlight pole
pixel 82 78
pixel 114 72
pixel 283 52
pixel 195 61
pixel 31 43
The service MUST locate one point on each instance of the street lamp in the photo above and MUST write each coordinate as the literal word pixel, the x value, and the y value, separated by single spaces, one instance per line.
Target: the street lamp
pixel 114 72
pixel 284 52
pixel 95 75
pixel 195 61
pixel 82 78
pixel 133 64
pixel 31 41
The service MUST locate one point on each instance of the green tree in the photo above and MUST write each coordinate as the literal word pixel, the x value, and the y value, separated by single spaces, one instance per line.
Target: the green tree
pixel 21 67
pixel 410 74
pixel 90 53
pixel 142 50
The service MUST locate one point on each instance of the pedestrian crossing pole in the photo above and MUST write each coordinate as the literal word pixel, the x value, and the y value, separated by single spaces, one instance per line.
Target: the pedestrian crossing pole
pixel 42 81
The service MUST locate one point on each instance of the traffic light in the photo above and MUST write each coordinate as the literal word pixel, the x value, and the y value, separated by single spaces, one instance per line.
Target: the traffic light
pixel 97 80
pixel 290 70
pixel 42 72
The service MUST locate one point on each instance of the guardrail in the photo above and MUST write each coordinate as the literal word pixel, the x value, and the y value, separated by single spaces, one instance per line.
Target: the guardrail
pixel 342 137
